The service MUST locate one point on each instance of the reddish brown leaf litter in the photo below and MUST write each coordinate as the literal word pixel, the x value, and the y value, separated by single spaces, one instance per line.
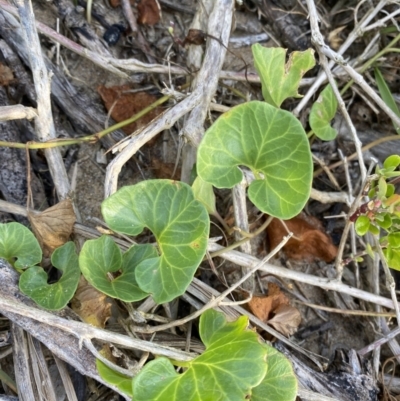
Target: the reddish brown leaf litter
pixel 275 310
pixel 165 170
pixel 149 12
pixel 308 243
pixel 124 104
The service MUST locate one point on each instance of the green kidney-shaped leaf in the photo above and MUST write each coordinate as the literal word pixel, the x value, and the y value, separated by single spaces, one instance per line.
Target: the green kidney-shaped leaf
pixel 394 239
pixel 280 383
pixel 33 281
pixel 269 141
pixel 233 363
pixel 383 220
pixel 280 81
pixel 322 112
pixel 16 241
pixel 392 257
pixel 362 225
pixel 179 223
pixel 124 383
pixel 101 257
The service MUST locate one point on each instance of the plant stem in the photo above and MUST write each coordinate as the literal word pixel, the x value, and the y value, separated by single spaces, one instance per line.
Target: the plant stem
pixel 242 241
pixel 90 138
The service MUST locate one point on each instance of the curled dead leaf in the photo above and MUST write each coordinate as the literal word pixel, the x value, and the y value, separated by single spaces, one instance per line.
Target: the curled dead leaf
pixel 263 307
pixel 286 320
pixel 91 305
pixel 334 38
pixel 309 242
pixel 54 226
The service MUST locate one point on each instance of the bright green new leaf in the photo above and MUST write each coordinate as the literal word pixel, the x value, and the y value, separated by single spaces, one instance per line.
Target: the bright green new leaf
pixel 17 242
pixel 33 281
pixel 269 141
pixel 390 190
pixel 322 112
pixel 373 229
pixel 383 220
pixel 386 95
pixel 203 192
pixel 382 187
pixel 101 257
pixel 392 161
pixel 180 224
pixel 280 80
pixel 122 382
pixel 392 257
pixel 394 239
pixel 233 363
pixel 362 225
pixel 280 383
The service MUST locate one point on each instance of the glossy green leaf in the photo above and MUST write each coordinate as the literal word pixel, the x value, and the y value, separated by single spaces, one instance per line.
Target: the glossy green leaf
pixel 17 242
pixel 390 190
pixel 392 161
pixel 383 220
pixel 322 112
pixel 280 383
pixel 101 257
pixel 280 80
pixel 386 95
pixel 373 229
pixel 203 192
pixel 33 281
pixel 122 382
pixel 382 187
pixel 233 363
pixel 269 141
pixel 393 257
pixel 362 225
pixel 180 224
pixel 394 239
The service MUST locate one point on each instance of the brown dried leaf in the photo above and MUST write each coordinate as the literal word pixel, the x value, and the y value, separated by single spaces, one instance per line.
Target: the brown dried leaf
pixel 91 305
pixel 195 37
pixel 334 38
pixel 6 75
pixel 125 104
pixel 310 241
pixel 165 170
pixel 54 226
pixel 286 320
pixel 149 12
pixel 263 307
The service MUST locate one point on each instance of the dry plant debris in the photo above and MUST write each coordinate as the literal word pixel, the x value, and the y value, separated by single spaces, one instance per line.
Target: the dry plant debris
pixel 91 305
pixel 365 34
pixel 54 226
pixel 308 243
pixel 123 102
pixel 275 309
pixel 149 12
pixel 6 75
